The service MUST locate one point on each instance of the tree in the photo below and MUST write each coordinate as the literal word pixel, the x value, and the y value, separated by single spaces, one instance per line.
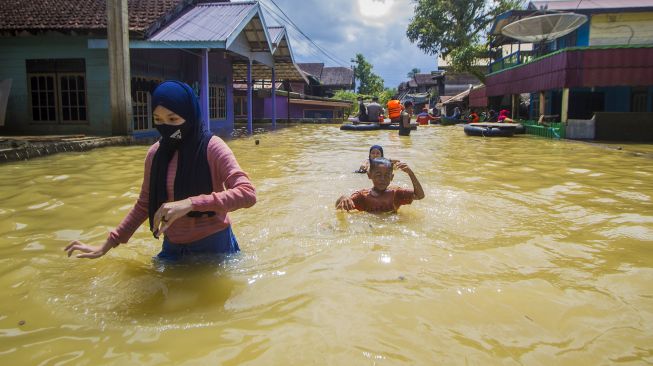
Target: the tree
pixel 413 72
pixel 456 29
pixel 369 82
pixel 384 96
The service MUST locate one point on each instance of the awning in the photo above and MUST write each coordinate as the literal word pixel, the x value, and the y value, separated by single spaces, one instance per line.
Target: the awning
pixel 478 97
pixel 458 98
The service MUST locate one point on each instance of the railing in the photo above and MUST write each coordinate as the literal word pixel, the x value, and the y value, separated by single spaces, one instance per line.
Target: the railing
pixel 513 59
pixel 553 130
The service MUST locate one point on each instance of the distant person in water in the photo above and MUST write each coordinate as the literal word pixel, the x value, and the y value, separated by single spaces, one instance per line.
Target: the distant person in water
pixel 503 116
pixel 374 110
pixel 362 111
pixel 474 118
pixel 492 115
pixel 191 181
pixel 381 197
pixel 425 117
pixel 456 113
pixel 404 120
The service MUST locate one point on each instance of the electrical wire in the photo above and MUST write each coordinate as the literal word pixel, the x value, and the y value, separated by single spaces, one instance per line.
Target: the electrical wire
pixel 286 19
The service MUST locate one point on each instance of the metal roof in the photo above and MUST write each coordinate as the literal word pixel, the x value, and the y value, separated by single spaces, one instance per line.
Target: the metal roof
pixel 284 63
pixel 217 22
pixel 589 4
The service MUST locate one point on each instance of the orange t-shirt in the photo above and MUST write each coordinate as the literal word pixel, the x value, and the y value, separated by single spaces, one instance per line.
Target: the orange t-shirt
pixel 388 201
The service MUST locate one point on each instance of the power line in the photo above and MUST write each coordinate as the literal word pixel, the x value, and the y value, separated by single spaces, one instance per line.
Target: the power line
pixel 286 19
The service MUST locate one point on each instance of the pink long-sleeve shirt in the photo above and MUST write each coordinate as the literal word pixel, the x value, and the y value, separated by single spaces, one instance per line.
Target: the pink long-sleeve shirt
pixel 231 190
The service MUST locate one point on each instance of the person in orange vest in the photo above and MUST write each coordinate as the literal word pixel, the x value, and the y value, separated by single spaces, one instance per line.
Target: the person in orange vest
pixel 424 117
pixel 394 110
pixel 474 118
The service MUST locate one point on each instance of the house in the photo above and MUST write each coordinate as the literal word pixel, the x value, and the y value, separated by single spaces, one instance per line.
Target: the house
pixel 325 81
pixel 600 74
pixel 55 54
pixel 422 89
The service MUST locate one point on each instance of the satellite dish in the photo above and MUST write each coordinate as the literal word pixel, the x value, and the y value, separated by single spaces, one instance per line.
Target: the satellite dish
pixel 543 28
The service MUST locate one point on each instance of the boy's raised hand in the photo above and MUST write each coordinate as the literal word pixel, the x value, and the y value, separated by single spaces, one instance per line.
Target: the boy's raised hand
pixel 403 167
pixel 345 203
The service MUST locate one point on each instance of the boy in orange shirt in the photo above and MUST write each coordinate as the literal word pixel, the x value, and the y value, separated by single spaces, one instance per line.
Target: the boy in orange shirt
pixel 381 198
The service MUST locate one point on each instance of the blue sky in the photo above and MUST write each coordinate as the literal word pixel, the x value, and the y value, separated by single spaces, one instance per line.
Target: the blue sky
pixel 340 28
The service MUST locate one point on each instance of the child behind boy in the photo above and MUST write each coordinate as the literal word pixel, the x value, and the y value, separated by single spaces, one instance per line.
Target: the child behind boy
pixel 380 198
pixel 376 151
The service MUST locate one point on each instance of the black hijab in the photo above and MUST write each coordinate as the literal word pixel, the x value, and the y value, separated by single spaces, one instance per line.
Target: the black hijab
pixel 190 139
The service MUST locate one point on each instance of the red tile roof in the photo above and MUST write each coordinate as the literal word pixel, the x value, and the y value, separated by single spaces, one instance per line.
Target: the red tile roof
pixel 66 15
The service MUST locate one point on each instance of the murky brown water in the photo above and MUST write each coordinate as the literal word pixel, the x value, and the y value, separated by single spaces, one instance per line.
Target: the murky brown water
pixel 524 251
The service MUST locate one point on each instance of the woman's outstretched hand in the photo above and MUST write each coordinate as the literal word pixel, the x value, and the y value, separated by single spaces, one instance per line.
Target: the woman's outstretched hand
pixel 87 251
pixel 168 213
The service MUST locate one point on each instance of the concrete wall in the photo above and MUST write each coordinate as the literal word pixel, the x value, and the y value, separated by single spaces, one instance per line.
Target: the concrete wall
pixel 621 29
pixel 12 66
pixel 624 126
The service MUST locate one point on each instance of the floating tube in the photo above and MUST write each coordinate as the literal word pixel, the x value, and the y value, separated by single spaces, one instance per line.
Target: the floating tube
pixel 370 127
pixel 488 131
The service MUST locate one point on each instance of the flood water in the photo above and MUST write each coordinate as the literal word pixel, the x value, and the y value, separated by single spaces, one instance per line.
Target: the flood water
pixel 525 251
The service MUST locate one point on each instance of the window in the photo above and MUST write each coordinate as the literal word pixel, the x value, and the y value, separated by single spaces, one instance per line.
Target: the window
pixel 217 102
pixel 141 110
pixel 639 100
pixel 240 106
pixel 73 97
pixel 141 89
pixel 57 90
pixel 42 97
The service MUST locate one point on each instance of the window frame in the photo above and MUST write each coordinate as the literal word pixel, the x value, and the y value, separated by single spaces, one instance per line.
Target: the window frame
pixel 57 69
pixel 243 105
pixel 60 94
pixel 30 91
pixel 217 102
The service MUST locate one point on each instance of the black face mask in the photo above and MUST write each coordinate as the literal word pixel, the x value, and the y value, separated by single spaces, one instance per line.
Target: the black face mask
pixel 171 135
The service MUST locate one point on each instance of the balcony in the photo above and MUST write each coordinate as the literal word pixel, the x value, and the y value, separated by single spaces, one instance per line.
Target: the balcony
pixel 574 67
pixel 513 59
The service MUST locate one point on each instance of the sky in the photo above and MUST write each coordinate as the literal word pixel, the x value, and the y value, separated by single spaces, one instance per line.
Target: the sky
pixel 343 28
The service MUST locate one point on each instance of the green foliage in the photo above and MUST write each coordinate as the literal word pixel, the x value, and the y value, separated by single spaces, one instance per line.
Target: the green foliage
pixel 368 82
pixel 384 96
pixel 412 72
pixel 456 28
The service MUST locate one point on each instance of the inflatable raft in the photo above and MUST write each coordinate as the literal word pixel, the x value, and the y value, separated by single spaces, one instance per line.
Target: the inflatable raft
pixel 373 127
pixel 491 129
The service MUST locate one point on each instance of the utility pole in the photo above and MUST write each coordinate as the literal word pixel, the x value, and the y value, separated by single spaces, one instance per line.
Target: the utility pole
pixel 119 72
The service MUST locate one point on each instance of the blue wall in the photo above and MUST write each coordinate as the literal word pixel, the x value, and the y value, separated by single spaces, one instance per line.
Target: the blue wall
pixel 617 99
pixel 583 34
pixel 12 66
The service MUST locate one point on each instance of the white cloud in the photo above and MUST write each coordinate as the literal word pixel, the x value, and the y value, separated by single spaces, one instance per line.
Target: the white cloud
pixel 338 27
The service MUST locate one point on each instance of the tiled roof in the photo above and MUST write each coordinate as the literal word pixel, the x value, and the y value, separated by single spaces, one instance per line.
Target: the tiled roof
pixel 314 68
pixel 337 76
pixel 16 15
